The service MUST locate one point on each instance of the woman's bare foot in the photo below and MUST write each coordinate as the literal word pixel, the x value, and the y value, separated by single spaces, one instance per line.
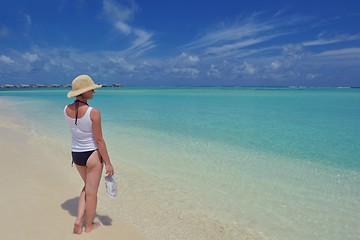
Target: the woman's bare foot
pixel 77 228
pixel 92 227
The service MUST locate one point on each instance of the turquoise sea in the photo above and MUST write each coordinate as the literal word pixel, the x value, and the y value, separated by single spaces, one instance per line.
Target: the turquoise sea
pixel 281 162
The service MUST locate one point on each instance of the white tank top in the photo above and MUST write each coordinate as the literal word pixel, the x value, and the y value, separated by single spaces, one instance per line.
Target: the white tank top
pixel 82 134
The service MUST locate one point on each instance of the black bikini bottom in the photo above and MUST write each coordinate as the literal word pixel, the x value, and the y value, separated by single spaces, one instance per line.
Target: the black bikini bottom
pixel 80 158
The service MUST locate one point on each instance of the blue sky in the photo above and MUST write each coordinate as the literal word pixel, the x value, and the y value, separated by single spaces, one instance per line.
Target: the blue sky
pixel 178 43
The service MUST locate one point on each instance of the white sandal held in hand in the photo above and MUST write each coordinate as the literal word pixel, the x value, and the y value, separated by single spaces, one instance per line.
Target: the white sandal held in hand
pixel 111 187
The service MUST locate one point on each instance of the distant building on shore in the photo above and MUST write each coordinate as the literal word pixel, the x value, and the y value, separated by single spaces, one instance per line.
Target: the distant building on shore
pixel 51 85
pixel 11 86
pixel 7 86
pixel 118 85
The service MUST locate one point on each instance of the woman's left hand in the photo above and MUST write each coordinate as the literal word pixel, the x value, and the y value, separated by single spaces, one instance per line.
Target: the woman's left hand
pixel 109 169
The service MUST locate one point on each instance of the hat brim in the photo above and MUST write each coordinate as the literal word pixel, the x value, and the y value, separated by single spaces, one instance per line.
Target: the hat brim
pixel 83 90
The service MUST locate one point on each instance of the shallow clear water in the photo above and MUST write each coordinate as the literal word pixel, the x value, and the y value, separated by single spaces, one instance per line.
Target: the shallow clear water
pixel 283 160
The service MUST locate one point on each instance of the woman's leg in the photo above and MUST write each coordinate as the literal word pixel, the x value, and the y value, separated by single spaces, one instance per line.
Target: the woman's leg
pixel 81 203
pixel 93 176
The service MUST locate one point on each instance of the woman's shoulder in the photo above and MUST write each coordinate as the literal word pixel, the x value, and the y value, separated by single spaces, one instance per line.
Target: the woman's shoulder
pixel 71 106
pixel 95 110
pixel 95 113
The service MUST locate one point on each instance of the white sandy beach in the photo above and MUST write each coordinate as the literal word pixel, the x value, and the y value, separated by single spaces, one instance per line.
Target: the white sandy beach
pixel 40 192
pixel 38 199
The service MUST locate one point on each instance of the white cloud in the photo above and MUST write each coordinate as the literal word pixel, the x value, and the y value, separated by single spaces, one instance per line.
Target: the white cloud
pixel 119 14
pixel 229 48
pixel 229 34
pixel 341 52
pixel 28 24
pixel 30 57
pixel 275 65
pixel 193 72
pixel 189 58
pixel 6 59
pixel 123 27
pixel 116 11
pixel 324 40
pixel 213 71
pixel 122 63
pixel 141 43
pixel 293 51
pixel 280 12
pixel 249 68
pixel 312 76
pixel 250 39
pixel 193 59
pixel 28 19
pixel 230 39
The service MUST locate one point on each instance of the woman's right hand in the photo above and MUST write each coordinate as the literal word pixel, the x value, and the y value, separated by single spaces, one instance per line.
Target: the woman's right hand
pixel 109 169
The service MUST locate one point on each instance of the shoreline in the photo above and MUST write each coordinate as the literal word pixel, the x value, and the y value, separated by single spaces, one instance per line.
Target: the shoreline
pixel 141 211
pixel 119 85
pixel 39 200
pixel 163 192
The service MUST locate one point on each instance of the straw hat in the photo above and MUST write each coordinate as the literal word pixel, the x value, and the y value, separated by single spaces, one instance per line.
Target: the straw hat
pixel 82 84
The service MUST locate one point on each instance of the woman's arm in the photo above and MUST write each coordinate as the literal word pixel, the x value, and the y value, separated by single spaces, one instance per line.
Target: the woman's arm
pixel 97 131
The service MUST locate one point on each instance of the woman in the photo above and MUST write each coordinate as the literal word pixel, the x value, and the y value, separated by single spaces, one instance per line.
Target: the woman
pixel 88 148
